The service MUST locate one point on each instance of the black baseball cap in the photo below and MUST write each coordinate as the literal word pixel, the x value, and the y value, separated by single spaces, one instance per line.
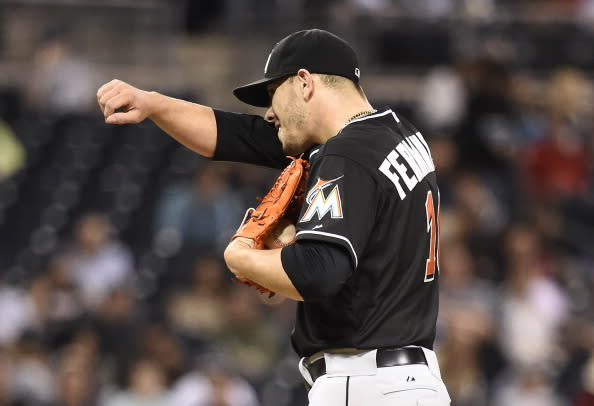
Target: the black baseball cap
pixel 316 50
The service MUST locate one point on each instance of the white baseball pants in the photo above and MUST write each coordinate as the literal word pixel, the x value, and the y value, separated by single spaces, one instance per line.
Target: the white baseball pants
pixel 355 380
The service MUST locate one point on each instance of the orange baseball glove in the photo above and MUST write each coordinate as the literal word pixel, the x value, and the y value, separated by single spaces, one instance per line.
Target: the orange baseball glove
pixel 283 201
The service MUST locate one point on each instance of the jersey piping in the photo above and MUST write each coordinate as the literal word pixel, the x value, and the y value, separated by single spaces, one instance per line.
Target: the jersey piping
pixel 312 153
pixel 340 237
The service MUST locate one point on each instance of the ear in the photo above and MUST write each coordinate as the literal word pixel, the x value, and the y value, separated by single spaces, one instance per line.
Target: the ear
pixel 305 81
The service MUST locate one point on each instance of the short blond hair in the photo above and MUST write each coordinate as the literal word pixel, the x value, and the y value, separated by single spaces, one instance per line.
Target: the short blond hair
pixel 335 81
pixel 338 83
pixel 341 84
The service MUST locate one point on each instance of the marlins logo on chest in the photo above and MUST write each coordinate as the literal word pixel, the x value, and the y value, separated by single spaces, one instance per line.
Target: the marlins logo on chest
pixel 322 203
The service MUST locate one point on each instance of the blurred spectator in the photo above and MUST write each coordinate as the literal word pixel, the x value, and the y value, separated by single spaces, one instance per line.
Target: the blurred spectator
pixel 249 338
pixel 573 380
pixel 159 343
pixel 460 361
pixel 18 314
pixel 12 153
pixel 467 312
pixel 83 352
pixel 147 386
pixel 77 385
pixel 213 382
pixel 481 218
pixel 534 306
pixel 58 303
pixel 486 213
pixel 559 167
pixel 571 98
pixel 60 82
pixel 586 396
pixel 204 213
pixel 33 379
pixel 442 100
pixel 484 138
pixel 445 158
pixel 7 392
pixel 532 119
pixel 119 324
pixel 198 311
pixel 97 262
pixel 461 289
pixel 77 371
pixel 531 387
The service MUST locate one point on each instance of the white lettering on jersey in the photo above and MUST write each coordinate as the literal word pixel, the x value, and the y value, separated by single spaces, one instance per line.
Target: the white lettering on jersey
pixel 423 150
pixel 417 164
pixel 320 204
pixel 412 154
pixel 401 169
pixel 385 168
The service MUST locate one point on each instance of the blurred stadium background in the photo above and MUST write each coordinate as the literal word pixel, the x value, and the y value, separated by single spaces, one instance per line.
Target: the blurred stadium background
pixel 112 288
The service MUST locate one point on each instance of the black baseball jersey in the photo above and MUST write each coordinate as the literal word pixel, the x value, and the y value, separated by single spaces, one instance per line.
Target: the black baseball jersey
pixel 372 190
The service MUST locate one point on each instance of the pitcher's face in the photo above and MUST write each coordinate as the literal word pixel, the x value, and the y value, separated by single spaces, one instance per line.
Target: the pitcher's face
pixel 287 112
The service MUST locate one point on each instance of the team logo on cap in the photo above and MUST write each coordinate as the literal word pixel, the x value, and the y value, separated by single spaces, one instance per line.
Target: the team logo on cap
pixel 321 204
pixel 358 73
pixel 267 62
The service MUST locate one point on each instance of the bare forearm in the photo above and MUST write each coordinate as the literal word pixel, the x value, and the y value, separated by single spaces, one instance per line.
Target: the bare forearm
pixel 191 124
pixel 261 266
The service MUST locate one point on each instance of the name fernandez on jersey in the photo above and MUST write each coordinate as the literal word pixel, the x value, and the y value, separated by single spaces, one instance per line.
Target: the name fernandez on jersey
pixel 408 163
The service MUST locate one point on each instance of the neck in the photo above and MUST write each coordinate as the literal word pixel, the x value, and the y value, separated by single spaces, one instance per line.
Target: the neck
pixel 360 114
pixel 334 115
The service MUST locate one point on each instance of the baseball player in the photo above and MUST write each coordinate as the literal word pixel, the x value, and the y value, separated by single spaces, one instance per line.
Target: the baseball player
pixel 364 267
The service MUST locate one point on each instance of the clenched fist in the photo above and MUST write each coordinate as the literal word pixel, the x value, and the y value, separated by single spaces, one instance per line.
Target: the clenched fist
pixel 122 103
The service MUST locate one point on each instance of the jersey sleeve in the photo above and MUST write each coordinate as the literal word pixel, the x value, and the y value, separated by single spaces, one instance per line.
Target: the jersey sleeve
pixel 340 205
pixel 318 270
pixel 249 139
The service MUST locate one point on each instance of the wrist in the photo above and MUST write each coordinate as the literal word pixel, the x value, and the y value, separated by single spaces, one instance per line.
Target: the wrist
pixel 154 104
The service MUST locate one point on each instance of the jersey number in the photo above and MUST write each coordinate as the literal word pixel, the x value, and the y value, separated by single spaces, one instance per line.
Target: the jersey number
pixel 433 231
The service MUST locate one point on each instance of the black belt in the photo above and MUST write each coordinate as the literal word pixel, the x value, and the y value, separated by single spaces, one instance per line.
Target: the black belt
pixel 386 357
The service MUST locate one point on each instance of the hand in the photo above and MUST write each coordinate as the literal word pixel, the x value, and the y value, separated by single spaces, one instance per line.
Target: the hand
pixel 122 103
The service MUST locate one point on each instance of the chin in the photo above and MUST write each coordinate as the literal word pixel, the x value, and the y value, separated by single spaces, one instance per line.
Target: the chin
pixel 289 150
pixel 292 145
pixel 294 151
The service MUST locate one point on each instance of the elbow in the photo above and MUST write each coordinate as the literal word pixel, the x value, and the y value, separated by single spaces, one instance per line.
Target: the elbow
pixel 234 258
